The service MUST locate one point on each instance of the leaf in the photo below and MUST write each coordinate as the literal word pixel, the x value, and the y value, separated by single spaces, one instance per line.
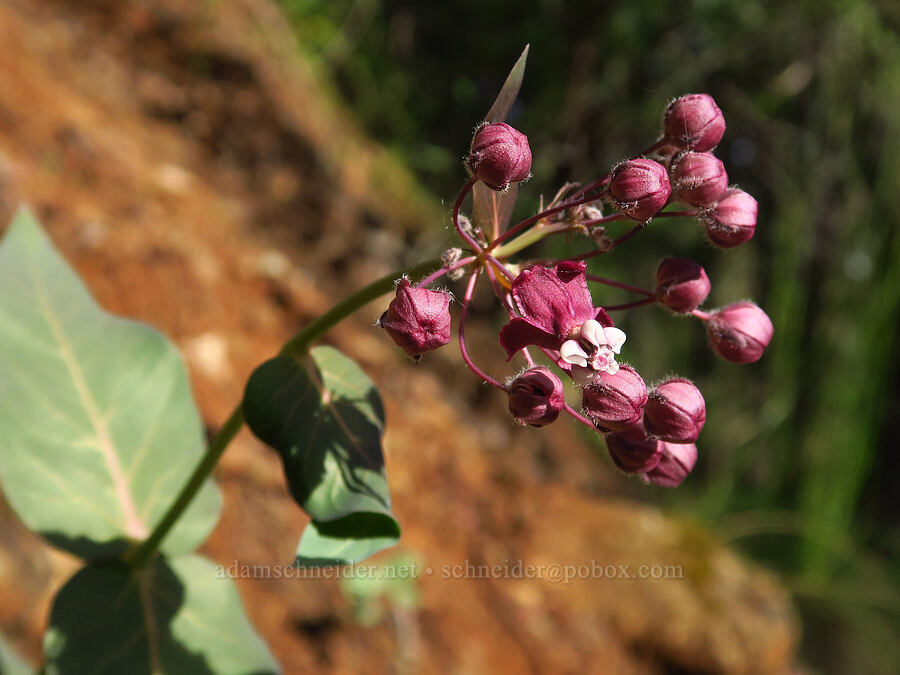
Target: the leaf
pixel 11 663
pixel 98 430
pixel 492 210
pixel 173 617
pixel 325 418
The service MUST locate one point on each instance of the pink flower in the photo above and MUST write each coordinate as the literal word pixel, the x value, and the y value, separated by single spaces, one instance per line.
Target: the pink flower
pixel 740 332
pixel 675 411
pixel 694 122
pixel 681 284
pixel 633 451
pixel 559 314
pixel 499 155
pixel 418 320
pixel 675 463
pixel 536 396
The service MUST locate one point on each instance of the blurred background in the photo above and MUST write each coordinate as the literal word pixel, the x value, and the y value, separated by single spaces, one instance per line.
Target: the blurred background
pixel 272 153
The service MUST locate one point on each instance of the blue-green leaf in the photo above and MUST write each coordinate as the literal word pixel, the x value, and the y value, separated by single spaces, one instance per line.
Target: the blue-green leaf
pixel 173 617
pixel 98 429
pixel 325 418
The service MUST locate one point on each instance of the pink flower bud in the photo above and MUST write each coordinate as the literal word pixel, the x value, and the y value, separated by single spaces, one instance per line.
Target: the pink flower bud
pixel 699 178
pixel 633 451
pixel 675 463
pixel 418 319
pixel 499 155
pixel 694 122
pixel 681 284
pixel 536 397
pixel 740 333
pixel 675 411
pixel 731 221
pixel 640 188
pixel 615 402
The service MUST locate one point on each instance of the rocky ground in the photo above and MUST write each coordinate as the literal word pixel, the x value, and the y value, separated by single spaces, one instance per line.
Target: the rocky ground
pixel 192 168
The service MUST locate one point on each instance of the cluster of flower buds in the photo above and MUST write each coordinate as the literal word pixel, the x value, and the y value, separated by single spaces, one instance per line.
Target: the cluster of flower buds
pixel 651 431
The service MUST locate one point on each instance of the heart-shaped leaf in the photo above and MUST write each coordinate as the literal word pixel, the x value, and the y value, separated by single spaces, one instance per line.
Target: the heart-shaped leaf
pixel 11 663
pixel 98 430
pixel 173 617
pixel 492 210
pixel 325 418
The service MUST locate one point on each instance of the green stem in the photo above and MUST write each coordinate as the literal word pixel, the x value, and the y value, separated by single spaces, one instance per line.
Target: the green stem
pixel 529 237
pixel 141 553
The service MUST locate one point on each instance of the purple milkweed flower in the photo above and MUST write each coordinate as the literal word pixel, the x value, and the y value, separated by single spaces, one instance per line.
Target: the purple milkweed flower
pixel 731 221
pixel 694 122
pixel 418 319
pixel 615 402
pixel 699 178
pixel 499 155
pixel 675 463
pixel 633 451
pixel 675 411
pixel 740 332
pixel 536 396
pixel 559 314
pixel 681 284
pixel 640 188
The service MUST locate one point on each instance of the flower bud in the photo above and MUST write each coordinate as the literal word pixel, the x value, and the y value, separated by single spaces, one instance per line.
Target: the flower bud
pixel 640 188
pixel 536 397
pixel 675 411
pixel 499 155
pixel 739 333
pixel 681 284
pixel 732 220
pixel 694 122
pixel 418 319
pixel 633 451
pixel 699 178
pixel 675 463
pixel 615 402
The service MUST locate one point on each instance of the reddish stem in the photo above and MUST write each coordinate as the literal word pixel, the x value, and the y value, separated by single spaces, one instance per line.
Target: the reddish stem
pixel 459 200
pixel 574 201
pixel 602 221
pixel 629 305
pixel 581 418
pixel 619 284
pixel 470 290
pixel 437 274
pixel 700 314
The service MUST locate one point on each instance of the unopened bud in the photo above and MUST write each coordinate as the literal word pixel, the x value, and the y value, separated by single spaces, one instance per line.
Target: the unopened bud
pixel 699 178
pixel 681 284
pixel 640 188
pixel 675 411
pixel 633 451
pixel 499 155
pixel 418 319
pixel 675 463
pixel 694 122
pixel 615 402
pixel 732 220
pixel 740 333
pixel 536 397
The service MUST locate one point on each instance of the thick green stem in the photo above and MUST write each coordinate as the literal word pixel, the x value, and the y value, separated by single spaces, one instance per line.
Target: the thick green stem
pixel 142 552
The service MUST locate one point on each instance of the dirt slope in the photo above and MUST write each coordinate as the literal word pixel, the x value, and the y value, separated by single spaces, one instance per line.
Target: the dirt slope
pixel 187 162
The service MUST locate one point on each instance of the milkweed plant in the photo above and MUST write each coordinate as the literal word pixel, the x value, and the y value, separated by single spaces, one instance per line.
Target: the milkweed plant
pixel 102 450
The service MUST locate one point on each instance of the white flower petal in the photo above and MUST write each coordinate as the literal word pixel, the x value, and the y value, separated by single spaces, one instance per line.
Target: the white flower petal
pixel 615 338
pixel 571 352
pixel 592 331
pixel 612 367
